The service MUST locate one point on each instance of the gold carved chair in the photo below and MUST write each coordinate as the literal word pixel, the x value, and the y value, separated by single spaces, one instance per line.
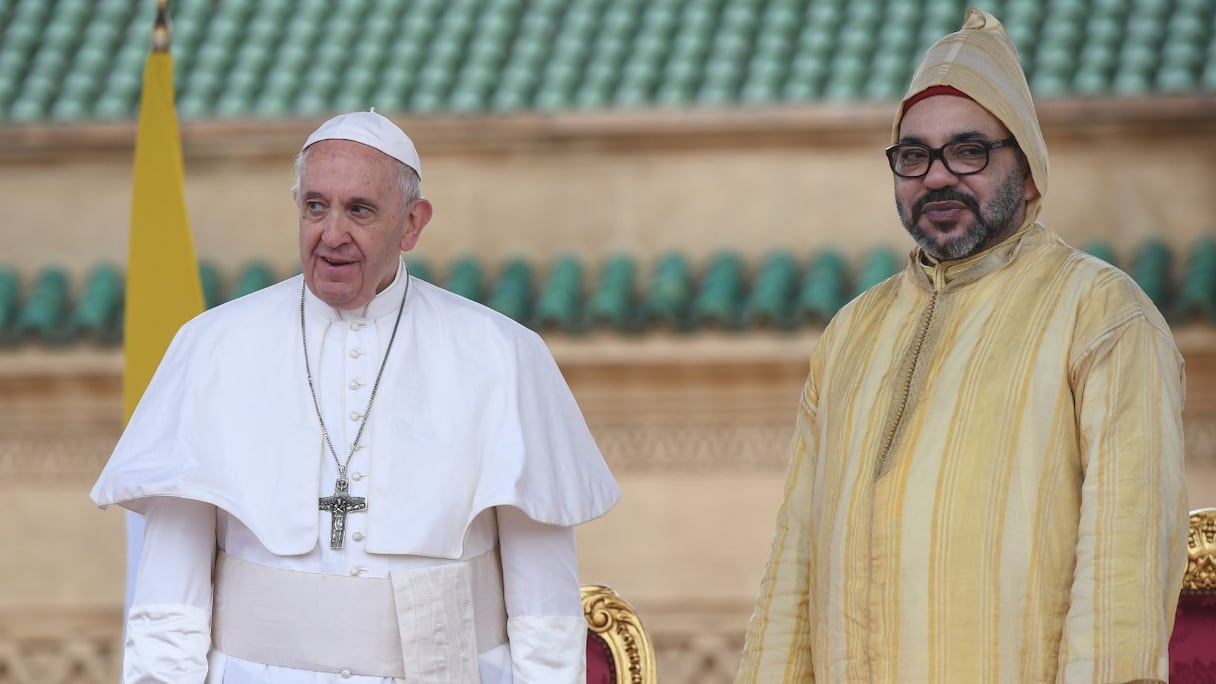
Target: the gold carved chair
pixel 618 649
pixel 1193 643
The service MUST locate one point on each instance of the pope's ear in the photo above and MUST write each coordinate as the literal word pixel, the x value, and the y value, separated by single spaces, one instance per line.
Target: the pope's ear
pixel 419 215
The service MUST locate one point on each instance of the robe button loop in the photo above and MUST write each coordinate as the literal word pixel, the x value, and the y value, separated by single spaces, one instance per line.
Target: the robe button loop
pixel 357 476
pixel 355 353
pixel 355 415
pixel 355 384
pixel 357 325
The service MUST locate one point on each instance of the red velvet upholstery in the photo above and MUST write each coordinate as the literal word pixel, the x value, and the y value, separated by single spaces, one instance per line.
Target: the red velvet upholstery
pixel 1193 643
pixel 600 667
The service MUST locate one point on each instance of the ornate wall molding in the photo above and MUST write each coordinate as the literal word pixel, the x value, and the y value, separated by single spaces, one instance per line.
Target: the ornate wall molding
pixel 48 647
pixel 85 648
pixel 658 415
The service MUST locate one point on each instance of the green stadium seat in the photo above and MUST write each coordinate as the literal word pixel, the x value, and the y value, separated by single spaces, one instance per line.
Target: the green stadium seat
pixel 716 95
pixel 90 65
pixel 1089 81
pixel 876 266
pixel 1099 58
pixel 32 11
pixel 10 290
pixel 771 300
pixel 27 109
pixel 825 16
pixel 845 79
pixel 689 45
pixel 1197 287
pixel 1131 83
pixel 58 35
pixel 1144 30
pixel 773 47
pixel 1115 9
pixel 673 95
pixel 466 100
pixel 613 301
pixel 908 13
pixel 1192 8
pixel 68 108
pixel 719 298
pixel 667 299
pixel 552 98
pixel 99 312
pixel 1188 56
pixel 681 72
pixel 760 91
pixel 455 55
pixel 188 106
pixel 1176 79
pixel 1103 30
pixel 1101 249
pixel 21 37
pixel 12 63
pixel 1150 268
pixel 253 277
pixel 465 278
pixel 511 294
pixel 420 267
pixel 822 291
pixel 44 315
pixel 1208 79
pixel 209 279
pixel 8 91
pixel 559 302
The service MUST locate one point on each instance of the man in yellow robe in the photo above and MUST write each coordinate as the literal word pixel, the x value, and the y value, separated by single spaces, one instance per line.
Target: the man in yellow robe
pixel 986 482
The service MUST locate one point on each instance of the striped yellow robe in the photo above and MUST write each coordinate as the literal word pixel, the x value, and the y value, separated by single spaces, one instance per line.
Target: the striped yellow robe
pixel 986 482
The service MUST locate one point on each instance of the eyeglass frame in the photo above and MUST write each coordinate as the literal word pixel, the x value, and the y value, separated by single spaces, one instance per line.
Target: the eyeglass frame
pixel 936 153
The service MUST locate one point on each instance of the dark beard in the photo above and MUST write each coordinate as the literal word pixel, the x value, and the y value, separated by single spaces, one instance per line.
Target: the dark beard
pixel 1004 212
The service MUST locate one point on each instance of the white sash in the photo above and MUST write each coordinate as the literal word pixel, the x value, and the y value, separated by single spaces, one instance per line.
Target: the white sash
pixel 425 625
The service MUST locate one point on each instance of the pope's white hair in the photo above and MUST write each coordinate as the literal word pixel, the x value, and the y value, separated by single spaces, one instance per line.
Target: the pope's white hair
pixel 407 179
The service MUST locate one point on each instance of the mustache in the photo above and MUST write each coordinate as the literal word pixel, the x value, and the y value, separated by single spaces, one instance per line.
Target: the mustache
pixel 944 195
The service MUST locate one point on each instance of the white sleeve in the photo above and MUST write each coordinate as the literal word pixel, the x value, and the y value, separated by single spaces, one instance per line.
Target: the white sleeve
pixel 545 624
pixel 169 625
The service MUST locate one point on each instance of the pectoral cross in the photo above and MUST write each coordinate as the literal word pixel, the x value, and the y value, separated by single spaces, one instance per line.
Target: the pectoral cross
pixel 339 505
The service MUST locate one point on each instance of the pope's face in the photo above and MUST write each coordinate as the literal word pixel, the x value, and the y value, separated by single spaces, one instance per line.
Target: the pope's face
pixel 951 216
pixel 354 221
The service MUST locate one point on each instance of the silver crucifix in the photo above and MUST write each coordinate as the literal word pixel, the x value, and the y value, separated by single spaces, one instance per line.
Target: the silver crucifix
pixel 339 505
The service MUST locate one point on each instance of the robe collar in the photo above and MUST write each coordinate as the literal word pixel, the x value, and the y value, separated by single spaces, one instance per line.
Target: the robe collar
pixel 934 275
pixel 384 304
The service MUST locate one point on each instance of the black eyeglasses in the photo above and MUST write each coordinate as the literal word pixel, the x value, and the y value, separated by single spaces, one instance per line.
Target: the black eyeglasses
pixel 961 158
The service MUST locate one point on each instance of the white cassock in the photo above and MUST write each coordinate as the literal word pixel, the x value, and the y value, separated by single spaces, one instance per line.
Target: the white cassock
pixel 475 463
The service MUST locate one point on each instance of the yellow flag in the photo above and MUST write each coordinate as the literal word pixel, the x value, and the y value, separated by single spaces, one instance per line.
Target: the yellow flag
pixel 163 288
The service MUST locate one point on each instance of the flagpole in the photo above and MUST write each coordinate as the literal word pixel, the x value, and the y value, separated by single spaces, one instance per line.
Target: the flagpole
pixel 161 33
pixel 163 288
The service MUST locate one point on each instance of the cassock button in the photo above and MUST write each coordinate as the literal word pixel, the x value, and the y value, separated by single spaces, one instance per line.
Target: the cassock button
pixel 358 536
pixel 355 353
pixel 355 415
pixel 355 384
pixel 357 476
pixel 357 325
pixel 345 674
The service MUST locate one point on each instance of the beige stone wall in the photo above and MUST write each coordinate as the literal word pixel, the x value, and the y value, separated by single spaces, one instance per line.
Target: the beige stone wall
pixel 695 427
pixel 641 183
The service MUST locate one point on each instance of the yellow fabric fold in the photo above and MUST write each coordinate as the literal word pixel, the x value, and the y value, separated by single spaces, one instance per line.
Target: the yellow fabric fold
pixel 1030 524
pixel 163 290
